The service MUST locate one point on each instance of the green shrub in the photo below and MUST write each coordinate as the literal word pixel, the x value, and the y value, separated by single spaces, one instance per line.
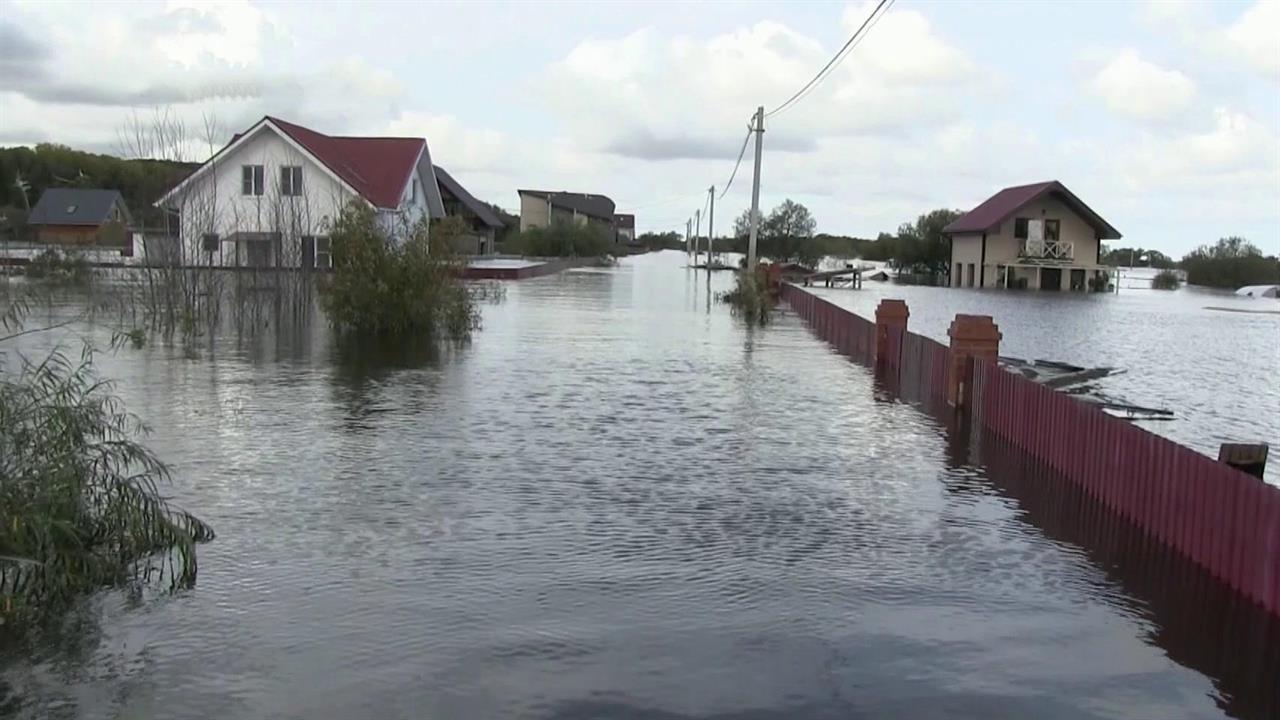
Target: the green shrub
pixel 1166 280
pixel 562 239
pixel 63 269
pixel 383 287
pixel 751 297
pixel 80 507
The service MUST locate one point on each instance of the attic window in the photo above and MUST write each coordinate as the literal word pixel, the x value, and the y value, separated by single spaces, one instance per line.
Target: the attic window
pixel 71 209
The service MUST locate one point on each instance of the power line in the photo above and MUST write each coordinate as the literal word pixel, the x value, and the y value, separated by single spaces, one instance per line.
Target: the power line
pixel 834 61
pixel 741 152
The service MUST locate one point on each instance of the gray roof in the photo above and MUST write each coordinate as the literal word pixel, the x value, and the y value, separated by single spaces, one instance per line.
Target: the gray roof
pixel 426 171
pixel 479 209
pixel 75 206
pixel 598 206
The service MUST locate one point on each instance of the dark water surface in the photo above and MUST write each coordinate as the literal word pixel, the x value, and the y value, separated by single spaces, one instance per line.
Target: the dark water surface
pixel 619 503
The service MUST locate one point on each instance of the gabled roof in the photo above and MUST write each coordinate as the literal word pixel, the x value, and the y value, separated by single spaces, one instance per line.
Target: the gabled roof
pixel 75 206
pixel 597 206
pixel 479 209
pixel 1001 206
pixel 376 168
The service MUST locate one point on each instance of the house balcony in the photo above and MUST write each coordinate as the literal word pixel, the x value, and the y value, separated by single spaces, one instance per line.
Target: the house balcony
pixel 1047 252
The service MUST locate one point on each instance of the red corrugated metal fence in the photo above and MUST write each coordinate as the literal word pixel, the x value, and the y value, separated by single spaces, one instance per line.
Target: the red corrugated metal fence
pixel 1224 520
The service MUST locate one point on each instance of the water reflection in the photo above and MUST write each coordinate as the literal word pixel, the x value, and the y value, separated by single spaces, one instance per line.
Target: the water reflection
pixel 1197 620
pixel 613 502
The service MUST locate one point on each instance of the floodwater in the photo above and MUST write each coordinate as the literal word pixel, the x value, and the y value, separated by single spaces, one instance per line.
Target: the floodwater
pixel 1217 370
pixel 618 502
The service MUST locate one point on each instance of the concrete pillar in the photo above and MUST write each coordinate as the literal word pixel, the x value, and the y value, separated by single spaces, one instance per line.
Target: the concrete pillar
pixel 889 313
pixel 972 337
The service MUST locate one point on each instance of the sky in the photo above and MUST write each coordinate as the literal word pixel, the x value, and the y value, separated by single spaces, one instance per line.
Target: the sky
pixel 1163 116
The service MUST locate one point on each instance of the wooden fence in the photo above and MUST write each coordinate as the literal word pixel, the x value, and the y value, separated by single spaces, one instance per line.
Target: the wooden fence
pixel 1224 520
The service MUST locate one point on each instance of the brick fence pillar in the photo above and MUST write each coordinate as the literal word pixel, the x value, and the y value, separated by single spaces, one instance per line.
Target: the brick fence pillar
pixel 889 313
pixel 972 337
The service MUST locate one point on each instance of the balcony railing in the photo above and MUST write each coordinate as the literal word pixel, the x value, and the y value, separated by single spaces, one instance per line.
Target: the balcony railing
pixel 1048 250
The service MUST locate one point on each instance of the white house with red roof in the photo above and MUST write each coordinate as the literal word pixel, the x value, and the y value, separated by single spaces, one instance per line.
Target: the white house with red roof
pixel 269 197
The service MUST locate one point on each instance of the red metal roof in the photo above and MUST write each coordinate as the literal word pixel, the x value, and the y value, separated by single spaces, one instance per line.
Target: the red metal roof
pixel 999 207
pixel 377 167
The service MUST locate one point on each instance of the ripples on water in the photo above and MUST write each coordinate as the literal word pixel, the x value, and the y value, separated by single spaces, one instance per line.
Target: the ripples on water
pixel 618 502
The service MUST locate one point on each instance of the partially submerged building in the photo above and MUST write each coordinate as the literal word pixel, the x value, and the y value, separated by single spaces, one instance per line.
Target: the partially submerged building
pixel 541 208
pixel 1038 236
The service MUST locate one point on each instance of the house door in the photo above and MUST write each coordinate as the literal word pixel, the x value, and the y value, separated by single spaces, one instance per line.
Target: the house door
pixel 1077 280
pixel 1050 278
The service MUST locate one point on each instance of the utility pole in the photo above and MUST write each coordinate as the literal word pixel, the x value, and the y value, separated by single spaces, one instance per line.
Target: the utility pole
pixel 697 230
pixel 755 192
pixel 688 236
pixel 711 223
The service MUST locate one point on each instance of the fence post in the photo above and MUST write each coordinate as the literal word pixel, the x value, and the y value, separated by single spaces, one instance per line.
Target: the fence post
pixel 972 337
pixel 889 313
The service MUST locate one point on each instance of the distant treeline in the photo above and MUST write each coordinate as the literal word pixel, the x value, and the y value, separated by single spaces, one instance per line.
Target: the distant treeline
pixel 25 173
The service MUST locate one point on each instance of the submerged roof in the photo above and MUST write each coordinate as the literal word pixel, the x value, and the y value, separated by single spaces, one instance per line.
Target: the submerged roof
pixel 480 209
pixel 598 206
pixel 75 206
pixel 1001 206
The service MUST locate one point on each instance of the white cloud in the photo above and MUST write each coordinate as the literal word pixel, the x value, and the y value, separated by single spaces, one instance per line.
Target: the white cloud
pixel 651 96
pixel 1132 86
pixel 1255 37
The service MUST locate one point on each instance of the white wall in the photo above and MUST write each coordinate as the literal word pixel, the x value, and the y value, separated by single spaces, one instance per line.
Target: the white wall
pixel 966 249
pixel 215 203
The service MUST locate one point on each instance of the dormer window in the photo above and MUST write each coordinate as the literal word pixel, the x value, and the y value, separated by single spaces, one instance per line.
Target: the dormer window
pixel 71 208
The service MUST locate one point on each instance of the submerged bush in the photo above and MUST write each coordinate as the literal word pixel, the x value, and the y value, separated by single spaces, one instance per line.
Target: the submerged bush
pixel 562 239
pixel 751 296
pixel 56 267
pixel 80 505
pixel 1166 280
pixel 383 287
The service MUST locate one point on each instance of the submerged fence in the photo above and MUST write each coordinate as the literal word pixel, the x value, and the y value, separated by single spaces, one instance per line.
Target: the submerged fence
pixel 1224 520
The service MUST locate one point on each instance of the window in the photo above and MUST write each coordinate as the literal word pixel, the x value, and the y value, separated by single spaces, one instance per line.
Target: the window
pixel 251 180
pixel 291 180
pixel 1051 228
pixel 324 258
pixel 414 197
pixel 71 209
pixel 210 242
pixel 1020 228
pixel 969 278
pixel 959 278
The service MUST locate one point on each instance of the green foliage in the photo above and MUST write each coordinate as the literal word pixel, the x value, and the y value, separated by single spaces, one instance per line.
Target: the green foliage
pixel 751 298
pixel 1133 257
pixel 1232 262
pixel 25 173
pixel 563 239
pixel 61 269
pixel 922 248
pixel 1166 280
pixel 785 235
pixel 80 506
pixel 379 287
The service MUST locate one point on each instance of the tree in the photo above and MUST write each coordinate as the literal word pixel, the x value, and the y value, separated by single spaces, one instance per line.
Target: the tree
pixel 742 224
pixel 1232 262
pixel 788 235
pixel 923 247
pixel 381 287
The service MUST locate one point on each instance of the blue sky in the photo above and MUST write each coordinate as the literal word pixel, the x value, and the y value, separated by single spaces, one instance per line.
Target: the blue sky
pixel 1164 117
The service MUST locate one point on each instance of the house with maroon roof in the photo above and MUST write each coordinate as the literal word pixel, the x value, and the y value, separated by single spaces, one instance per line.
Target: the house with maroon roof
pixel 269 197
pixel 1038 236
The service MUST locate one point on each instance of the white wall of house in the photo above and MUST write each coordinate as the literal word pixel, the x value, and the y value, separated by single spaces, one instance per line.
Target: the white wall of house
pixel 966 251
pixel 533 212
pixel 413 206
pixel 215 203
